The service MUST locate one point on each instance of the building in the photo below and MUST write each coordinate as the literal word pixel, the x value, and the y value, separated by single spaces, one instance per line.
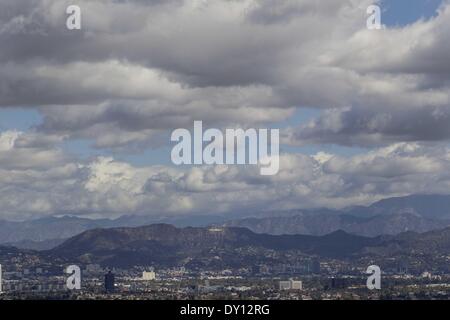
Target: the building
pixel 403 267
pixel 338 283
pixel 94 269
pixel 109 282
pixel 1 279
pixel 208 288
pixel 291 285
pixel 148 275
pixel 296 285
pixel 285 285
pixel 315 266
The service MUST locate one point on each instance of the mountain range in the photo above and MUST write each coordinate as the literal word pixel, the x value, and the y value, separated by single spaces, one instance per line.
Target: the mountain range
pixel 318 223
pixel 213 248
pixel 427 206
pixel 45 233
pixel 156 244
pixel 419 213
pixel 165 245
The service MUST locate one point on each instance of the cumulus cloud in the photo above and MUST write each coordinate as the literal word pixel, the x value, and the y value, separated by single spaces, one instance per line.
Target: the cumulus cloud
pixel 105 187
pixel 146 66
pixel 139 69
pixel 19 150
pixel 222 55
pixel 374 126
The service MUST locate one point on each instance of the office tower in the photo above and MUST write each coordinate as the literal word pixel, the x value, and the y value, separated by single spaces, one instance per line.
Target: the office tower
pixel 315 266
pixel 291 284
pixel 285 285
pixel 1 279
pixel 148 275
pixel 338 283
pixel 296 285
pixel 109 282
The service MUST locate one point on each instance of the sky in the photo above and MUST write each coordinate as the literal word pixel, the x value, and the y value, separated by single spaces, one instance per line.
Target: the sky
pixel 86 115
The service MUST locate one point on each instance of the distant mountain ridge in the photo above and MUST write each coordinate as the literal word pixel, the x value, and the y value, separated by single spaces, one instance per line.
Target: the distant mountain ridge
pixel 419 213
pixel 321 224
pixel 390 216
pixel 166 245
pixel 41 232
pixel 427 206
pixel 156 244
pixel 35 245
pixel 47 228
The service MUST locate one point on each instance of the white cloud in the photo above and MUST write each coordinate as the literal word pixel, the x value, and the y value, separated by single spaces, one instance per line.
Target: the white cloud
pixel 106 187
pixel 141 68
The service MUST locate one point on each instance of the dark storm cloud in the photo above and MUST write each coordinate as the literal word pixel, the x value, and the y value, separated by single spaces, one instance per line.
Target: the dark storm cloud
pixel 224 44
pixel 139 66
pixel 370 127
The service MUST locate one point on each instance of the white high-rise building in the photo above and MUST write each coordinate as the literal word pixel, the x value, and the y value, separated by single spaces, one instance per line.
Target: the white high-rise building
pixel 285 285
pixel 148 276
pixel 291 285
pixel 296 285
